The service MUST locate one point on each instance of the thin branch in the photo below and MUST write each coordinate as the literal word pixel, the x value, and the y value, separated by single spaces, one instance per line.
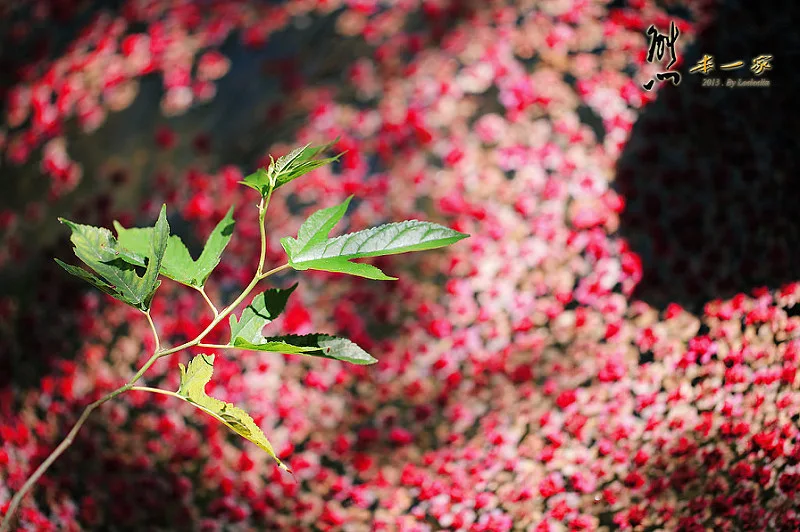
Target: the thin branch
pixel 223 314
pixel 208 300
pixel 154 390
pixel 153 328
pixel 262 212
pixel 217 346
pixel 274 271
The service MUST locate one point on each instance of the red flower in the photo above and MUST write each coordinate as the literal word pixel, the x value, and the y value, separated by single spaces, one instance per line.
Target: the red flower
pixel 440 328
pixel 566 398
pixel 400 436
pixel 296 318
pixel 551 485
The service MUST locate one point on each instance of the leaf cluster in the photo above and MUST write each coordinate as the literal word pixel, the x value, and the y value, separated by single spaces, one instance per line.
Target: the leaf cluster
pixel 289 167
pixel 128 266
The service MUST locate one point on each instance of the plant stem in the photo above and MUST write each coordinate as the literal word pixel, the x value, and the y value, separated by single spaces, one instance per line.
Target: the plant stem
pixel 208 300
pixel 158 353
pixel 223 314
pixel 153 328
pixel 262 212
pixel 274 271
pixel 154 390
pixel 217 346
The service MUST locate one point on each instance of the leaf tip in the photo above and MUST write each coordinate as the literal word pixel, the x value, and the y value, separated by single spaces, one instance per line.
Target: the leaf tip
pixel 66 222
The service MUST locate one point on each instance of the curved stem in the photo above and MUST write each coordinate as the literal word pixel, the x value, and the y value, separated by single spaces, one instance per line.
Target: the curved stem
pixel 224 313
pixel 274 271
pixel 153 328
pixel 262 212
pixel 216 346
pixel 154 390
pixel 208 300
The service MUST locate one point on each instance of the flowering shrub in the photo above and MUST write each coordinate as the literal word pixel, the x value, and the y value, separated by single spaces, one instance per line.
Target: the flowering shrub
pixel 535 392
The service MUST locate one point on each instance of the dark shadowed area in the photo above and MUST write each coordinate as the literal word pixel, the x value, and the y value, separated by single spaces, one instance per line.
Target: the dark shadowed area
pixel 710 173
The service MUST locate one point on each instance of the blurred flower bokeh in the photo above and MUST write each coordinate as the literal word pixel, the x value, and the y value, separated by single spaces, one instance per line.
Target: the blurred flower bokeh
pixel 614 348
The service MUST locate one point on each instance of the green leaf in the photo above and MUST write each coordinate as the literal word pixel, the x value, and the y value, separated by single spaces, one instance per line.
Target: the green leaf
pixel 301 161
pixel 317 227
pixel 289 167
pixel 317 345
pixel 192 389
pixel 158 247
pixel 99 250
pixel 178 264
pixel 302 168
pixel 176 257
pixel 335 254
pixel 273 346
pixel 359 269
pixel 292 157
pixel 88 277
pixel 264 308
pixel 215 245
pixel 258 180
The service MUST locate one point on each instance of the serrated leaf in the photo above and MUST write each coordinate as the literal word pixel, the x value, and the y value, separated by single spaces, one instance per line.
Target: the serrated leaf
pixel 317 227
pixel 212 252
pixel 272 346
pixel 284 161
pixel 258 180
pixel 99 250
pixel 359 269
pixel 301 169
pixel 158 247
pixel 176 257
pixel 264 308
pixel 335 254
pixel 192 389
pixel 88 277
pixel 316 345
pixel 178 264
pixel 289 167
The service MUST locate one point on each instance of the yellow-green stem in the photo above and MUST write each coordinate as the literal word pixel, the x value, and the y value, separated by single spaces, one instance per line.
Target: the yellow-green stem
pixel 153 328
pixel 217 346
pixel 155 390
pixel 208 300
pixel 262 212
